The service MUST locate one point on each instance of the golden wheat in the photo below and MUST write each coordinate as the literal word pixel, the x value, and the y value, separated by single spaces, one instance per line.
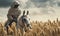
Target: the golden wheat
pixel 38 29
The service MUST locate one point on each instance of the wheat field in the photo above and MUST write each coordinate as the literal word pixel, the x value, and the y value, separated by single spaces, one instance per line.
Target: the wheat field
pixel 48 28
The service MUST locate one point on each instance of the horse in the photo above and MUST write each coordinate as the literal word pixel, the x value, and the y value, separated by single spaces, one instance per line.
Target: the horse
pixel 24 22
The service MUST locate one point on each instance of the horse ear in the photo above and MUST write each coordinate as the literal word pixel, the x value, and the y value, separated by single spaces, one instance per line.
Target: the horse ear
pixel 24 12
pixel 27 12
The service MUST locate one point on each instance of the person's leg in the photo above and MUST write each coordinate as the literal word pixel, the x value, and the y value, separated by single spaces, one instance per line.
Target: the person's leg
pixel 10 23
pixel 16 23
pixel 7 24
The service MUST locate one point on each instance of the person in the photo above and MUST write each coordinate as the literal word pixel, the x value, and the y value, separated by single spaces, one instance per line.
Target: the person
pixel 13 14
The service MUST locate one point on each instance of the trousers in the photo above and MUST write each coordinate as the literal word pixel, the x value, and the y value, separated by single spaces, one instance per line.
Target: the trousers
pixel 9 23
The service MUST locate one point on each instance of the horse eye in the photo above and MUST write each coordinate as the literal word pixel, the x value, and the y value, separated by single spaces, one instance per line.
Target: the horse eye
pixel 24 19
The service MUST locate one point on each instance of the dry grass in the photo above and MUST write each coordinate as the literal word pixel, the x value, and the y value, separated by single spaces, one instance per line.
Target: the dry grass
pixel 38 29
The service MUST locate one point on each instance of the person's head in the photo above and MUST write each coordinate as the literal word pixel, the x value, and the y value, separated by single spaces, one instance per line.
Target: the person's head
pixel 15 4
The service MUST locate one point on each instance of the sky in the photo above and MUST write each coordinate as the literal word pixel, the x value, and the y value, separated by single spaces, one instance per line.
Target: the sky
pixel 41 10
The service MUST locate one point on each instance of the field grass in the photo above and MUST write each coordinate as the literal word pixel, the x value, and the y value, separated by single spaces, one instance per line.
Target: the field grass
pixel 48 28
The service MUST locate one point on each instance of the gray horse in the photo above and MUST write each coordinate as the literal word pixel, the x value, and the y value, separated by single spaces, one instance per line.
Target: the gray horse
pixel 24 21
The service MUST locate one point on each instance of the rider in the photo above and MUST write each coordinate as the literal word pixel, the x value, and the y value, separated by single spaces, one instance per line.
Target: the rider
pixel 13 14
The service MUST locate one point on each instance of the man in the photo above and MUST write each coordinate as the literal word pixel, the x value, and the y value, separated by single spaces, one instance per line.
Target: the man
pixel 13 14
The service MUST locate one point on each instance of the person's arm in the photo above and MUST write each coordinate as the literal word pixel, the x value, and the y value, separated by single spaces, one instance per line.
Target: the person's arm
pixel 19 13
pixel 9 15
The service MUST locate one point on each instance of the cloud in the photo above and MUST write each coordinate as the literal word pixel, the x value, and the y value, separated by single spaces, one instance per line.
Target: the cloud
pixel 34 3
pixel 29 4
pixel 5 3
pixel 44 4
pixel 58 4
pixel 40 3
